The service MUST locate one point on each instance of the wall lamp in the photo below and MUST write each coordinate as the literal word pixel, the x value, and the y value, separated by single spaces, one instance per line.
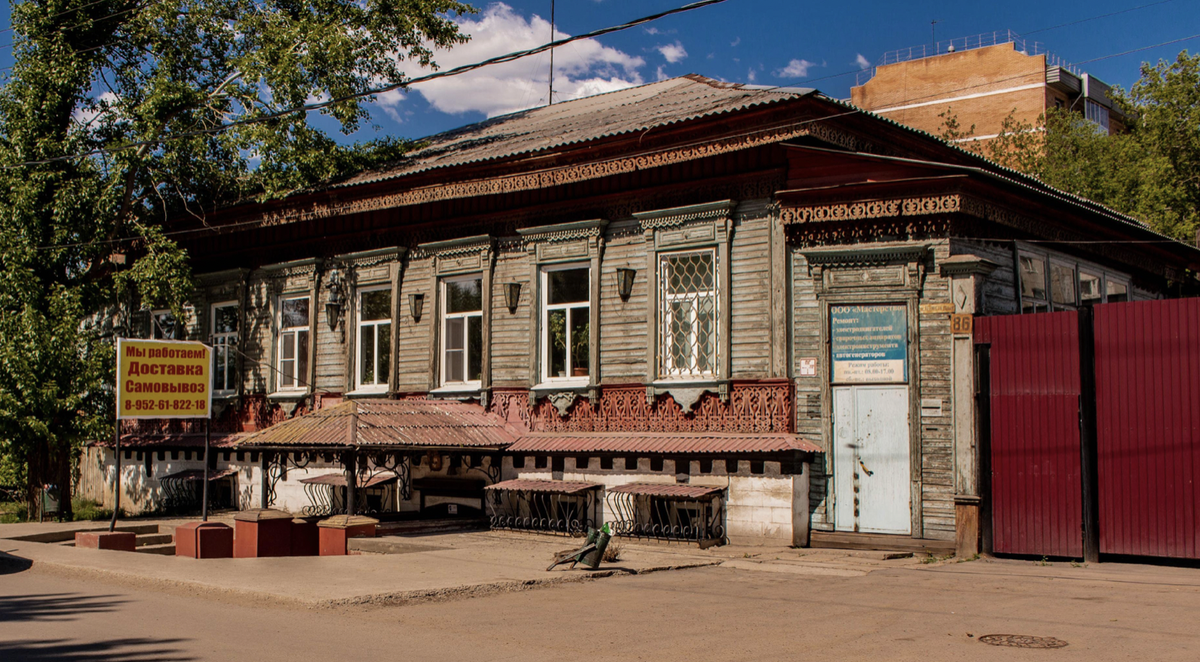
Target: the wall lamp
pixel 625 282
pixel 416 301
pixel 512 296
pixel 333 304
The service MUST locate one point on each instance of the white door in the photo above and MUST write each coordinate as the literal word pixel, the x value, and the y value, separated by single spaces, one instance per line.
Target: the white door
pixel 872 491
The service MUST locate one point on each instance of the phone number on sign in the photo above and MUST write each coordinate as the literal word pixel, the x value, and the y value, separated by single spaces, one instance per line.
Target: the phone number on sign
pixel 160 405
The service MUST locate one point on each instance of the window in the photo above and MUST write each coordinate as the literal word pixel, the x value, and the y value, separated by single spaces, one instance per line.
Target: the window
pixel 224 343
pixel 1089 289
pixel 462 340
pixel 293 343
pixel 1116 291
pixel 566 314
pixel 1066 284
pixel 1033 285
pixel 1096 113
pixel 688 340
pixel 374 338
pixel 163 325
pixel 1062 286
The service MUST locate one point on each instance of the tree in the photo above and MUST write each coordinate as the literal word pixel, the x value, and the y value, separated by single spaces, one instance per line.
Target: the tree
pixel 148 90
pixel 1150 171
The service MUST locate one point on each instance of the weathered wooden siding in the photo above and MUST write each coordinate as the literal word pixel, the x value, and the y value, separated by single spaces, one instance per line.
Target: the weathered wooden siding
pixel 510 331
pixel 933 382
pixel 415 344
pixel 999 293
pixel 750 279
pixel 623 329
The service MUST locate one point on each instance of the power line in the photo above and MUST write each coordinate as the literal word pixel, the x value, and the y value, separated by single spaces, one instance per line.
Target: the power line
pixel 79 25
pixel 1093 18
pixel 500 59
pixel 1138 50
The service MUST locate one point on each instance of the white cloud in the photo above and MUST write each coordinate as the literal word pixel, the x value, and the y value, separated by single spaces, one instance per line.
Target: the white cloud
pixel 751 75
pixel 651 30
pixel 862 62
pixel 672 52
pixel 661 74
pixel 795 69
pixel 735 42
pixel 85 115
pixel 582 68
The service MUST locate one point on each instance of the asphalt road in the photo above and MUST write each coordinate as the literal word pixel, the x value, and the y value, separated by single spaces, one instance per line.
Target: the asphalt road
pixel 1103 613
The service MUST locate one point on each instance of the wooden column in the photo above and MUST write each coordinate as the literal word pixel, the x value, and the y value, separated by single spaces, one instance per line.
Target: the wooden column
pixel 966 273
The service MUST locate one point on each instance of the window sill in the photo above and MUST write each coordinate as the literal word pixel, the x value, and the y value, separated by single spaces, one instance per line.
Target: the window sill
pixel 463 391
pixel 290 394
pixel 562 385
pixel 368 393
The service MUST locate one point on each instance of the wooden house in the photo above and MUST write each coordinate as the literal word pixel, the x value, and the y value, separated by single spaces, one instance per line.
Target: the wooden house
pixel 693 309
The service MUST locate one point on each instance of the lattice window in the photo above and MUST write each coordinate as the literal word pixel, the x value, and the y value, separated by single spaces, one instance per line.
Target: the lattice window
pixel 688 314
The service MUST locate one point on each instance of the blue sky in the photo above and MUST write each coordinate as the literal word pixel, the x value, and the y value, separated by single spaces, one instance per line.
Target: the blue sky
pixel 767 42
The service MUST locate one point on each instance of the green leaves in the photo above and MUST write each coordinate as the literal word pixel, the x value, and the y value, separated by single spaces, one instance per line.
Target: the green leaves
pixel 168 77
pixel 1151 171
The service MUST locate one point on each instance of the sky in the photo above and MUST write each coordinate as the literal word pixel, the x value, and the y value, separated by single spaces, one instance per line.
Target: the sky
pixel 825 45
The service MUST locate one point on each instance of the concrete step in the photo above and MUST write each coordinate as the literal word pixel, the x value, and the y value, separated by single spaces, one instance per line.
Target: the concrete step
pixel 430 526
pixel 69 534
pixel 165 550
pixel 154 539
pixel 878 542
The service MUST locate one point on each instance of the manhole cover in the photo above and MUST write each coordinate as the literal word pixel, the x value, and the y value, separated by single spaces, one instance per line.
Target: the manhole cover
pixel 1022 641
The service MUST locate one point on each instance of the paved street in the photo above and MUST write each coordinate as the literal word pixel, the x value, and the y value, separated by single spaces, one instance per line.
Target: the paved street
pixel 914 612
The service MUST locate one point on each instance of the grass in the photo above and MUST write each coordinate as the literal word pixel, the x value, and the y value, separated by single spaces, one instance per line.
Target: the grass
pixel 86 510
pixel 612 553
pixel 12 512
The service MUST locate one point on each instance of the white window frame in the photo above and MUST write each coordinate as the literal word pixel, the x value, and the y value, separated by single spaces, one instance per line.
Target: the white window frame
pixel 300 384
pixel 666 368
pixel 226 339
pixel 360 324
pixel 547 308
pixel 445 315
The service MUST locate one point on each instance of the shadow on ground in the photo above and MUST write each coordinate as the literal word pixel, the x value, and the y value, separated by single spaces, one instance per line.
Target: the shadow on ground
pixel 112 650
pixel 10 564
pixel 53 607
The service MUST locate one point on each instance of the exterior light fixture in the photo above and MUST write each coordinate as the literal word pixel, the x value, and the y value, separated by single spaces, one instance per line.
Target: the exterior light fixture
pixel 512 296
pixel 625 282
pixel 416 301
pixel 333 304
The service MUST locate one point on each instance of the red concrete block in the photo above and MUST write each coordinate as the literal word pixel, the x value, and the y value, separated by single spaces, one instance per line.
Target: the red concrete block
pixel 261 533
pixel 204 540
pixel 122 541
pixel 336 530
pixel 305 537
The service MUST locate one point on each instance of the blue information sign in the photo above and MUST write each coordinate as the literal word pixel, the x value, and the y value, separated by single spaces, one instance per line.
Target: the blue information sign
pixel 869 343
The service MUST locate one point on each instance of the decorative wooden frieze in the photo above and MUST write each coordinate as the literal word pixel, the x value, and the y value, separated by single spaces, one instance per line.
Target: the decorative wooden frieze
pixel 901 265
pixel 854 211
pixel 364 259
pixel 459 255
pixel 706 223
pixel 750 407
pixel 306 267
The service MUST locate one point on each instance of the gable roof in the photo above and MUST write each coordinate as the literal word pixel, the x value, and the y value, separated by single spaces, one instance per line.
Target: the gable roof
pixel 626 111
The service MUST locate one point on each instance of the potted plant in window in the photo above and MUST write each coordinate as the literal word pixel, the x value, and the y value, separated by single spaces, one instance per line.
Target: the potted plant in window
pixel 579 351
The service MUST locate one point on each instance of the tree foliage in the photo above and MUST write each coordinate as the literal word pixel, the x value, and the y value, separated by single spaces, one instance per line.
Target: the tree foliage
pixel 1150 171
pixel 94 76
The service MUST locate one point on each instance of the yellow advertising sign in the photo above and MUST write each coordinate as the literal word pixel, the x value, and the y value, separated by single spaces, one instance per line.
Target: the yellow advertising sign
pixel 163 379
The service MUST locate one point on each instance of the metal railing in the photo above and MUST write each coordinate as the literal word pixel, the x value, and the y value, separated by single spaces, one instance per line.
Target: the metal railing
pixel 540 511
pixel 670 519
pixel 958 44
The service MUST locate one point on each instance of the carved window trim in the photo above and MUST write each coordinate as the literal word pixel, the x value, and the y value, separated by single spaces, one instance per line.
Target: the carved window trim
pixel 350 265
pixel 684 229
pixel 549 246
pixel 460 257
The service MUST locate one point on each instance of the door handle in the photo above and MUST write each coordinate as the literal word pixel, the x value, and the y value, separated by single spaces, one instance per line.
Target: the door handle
pixel 865 469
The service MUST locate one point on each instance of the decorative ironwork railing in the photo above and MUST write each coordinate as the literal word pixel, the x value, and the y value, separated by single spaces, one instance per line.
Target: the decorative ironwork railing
pixel 567 514
pixel 698 519
pixel 957 44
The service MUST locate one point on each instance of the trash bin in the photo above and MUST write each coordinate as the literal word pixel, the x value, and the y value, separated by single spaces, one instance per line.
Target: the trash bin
pixel 50 497
pixel 593 559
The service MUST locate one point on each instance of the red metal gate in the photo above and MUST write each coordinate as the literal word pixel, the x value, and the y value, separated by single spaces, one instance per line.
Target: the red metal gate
pixel 1148 427
pixel 1036 504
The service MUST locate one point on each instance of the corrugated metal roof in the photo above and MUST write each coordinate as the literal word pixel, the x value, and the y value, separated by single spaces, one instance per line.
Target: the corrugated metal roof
pixel 169 441
pixel 662 442
pixel 631 110
pixel 198 474
pixel 389 424
pixel 339 480
pixel 667 490
pixel 548 486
